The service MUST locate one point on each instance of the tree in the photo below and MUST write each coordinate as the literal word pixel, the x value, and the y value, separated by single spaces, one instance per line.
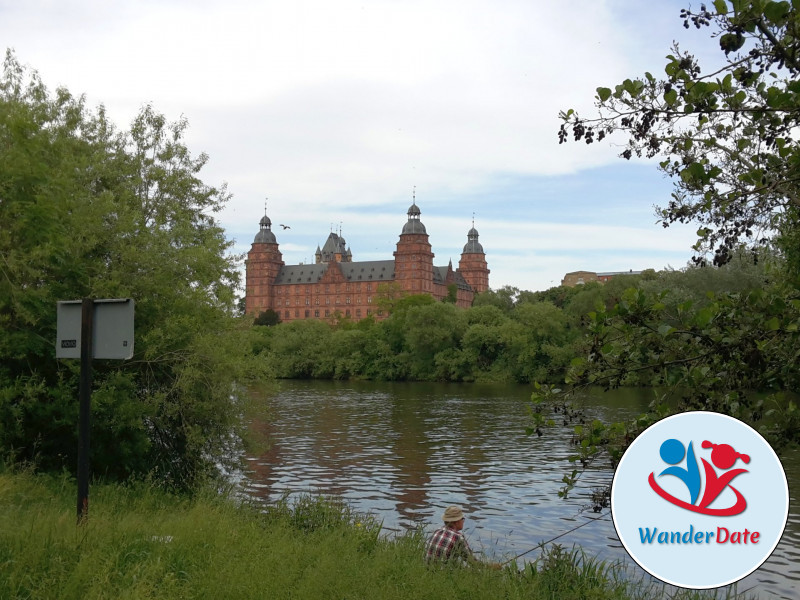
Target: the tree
pixel 504 298
pixel 387 295
pixel 727 135
pixel 429 329
pixel 452 293
pixel 729 141
pixel 89 211
pixel 267 318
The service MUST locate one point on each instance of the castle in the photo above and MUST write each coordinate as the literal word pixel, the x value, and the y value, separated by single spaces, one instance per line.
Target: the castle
pixel 335 283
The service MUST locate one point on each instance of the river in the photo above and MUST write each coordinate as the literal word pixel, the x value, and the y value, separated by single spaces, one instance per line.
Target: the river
pixel 405 451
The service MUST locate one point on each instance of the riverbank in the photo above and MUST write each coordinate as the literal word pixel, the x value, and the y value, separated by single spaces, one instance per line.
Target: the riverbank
pixel 140 542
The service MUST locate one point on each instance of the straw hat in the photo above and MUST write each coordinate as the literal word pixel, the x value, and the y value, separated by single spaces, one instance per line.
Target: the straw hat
pixel 452 514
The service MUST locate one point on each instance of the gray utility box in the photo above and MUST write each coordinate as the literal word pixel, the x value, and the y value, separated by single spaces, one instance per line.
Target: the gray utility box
pixel 112 329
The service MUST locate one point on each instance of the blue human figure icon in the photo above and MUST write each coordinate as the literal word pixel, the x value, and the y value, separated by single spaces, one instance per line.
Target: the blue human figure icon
pixel 672 452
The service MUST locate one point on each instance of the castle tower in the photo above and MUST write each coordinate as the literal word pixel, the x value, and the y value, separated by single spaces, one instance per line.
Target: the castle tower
pixel 413 259
pixel 334 250
pixel 264 262
pixel 472 265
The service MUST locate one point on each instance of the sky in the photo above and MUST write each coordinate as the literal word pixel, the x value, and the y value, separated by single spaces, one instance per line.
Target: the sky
pixel 338 113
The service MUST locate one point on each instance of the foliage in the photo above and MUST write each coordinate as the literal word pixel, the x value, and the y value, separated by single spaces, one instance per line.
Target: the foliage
pixel 452 294
pixel 267 318
pixel 534 339
pixel 142 543
pixel 89 211
pixel 387 295
pixel 722 339
pixel 504 298
pixel 737 353
pixel 428 341
pixel 727 134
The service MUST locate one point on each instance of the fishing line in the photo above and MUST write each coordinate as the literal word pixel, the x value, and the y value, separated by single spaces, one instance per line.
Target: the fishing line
pixel 543 544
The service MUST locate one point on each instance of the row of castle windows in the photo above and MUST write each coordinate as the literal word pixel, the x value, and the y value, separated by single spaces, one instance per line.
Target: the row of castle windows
pixel 337 300
pixel 307 313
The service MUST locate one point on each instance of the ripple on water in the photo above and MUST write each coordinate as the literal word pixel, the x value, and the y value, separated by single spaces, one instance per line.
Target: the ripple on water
pixel 405 451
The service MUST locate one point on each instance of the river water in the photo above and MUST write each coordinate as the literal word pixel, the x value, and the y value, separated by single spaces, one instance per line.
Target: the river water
pixel 405 451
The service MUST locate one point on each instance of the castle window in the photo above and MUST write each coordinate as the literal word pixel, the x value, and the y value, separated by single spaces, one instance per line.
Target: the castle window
pixel 369 311
pixel 286 314
pixel 316 301
pixel 287 302
pixel 297 301
pixel 296 313
pixel 358 312
pixel 308 301
pixel 347 312
pixel 369 299
pixel 347 300
pixel 316 313
pixel 337 299
pixel 327 312
pixel 308 313
pixel 369 287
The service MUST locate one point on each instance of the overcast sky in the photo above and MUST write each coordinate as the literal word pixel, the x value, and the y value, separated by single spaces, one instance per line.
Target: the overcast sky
pixel 336 109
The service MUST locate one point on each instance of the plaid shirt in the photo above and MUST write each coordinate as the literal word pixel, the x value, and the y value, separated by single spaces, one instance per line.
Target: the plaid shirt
pixel 447 543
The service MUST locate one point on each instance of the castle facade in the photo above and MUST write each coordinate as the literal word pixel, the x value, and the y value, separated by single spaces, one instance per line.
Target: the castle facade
pixel 335 283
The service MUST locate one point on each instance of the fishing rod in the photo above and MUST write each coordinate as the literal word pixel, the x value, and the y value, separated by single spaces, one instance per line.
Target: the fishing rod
pixel 560 535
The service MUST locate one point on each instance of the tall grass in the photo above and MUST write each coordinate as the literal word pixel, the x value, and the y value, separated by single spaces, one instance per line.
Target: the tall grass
pixel 142 543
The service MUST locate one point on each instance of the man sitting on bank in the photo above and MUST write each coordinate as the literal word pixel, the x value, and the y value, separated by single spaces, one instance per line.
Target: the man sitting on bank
pixel 448 544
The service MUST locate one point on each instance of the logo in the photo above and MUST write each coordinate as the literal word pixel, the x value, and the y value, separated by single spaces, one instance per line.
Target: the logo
pixel 723 456
pixel 699 500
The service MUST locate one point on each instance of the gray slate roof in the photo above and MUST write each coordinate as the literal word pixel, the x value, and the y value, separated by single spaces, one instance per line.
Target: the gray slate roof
pixel 440 276
pixel 373 270
pixel 473 246
pixel 301 273
pixel 369 270
pixel 265 236
pixel 413 226
pixel 335 244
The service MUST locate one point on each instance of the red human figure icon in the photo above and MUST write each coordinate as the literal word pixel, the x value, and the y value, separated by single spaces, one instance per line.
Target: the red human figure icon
pixel 724 457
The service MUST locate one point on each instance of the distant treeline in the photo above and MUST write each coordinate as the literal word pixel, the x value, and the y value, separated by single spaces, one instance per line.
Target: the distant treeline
pixel 507 335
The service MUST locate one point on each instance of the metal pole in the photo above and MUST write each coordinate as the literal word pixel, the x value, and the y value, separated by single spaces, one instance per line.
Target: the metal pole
pixel 85 392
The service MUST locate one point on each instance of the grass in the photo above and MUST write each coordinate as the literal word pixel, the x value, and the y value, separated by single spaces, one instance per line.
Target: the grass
pixel 140 542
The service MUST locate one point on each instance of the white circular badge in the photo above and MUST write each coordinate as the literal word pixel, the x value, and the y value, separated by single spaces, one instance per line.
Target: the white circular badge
pixel 699 500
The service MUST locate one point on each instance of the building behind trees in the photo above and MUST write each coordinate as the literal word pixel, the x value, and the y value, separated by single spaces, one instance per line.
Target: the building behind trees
pixel 336 283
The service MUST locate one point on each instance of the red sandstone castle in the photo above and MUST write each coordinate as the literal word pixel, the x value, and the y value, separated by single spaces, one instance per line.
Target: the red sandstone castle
pixel 336 283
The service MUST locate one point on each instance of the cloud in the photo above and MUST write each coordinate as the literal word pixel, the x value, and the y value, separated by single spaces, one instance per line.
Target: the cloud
pixel 335 111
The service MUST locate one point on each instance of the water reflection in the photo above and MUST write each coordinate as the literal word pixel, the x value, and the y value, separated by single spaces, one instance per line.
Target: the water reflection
pixel 405 451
